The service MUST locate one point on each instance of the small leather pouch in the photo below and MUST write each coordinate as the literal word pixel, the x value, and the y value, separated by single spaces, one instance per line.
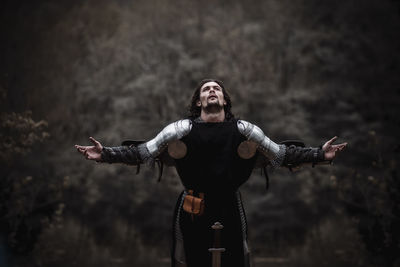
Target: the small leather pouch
pixel 194 205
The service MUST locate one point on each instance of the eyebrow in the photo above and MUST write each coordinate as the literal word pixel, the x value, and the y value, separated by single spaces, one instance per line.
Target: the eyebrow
pixel 208 86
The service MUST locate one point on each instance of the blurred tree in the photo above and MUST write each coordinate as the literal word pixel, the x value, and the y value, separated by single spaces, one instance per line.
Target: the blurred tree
pixel 29 198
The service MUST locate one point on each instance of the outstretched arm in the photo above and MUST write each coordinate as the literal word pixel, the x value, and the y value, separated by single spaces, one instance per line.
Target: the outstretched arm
pixel 135 155
pixel 282 155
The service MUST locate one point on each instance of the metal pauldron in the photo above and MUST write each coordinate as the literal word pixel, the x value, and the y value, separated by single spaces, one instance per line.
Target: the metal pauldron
pixel 171 132
pixel 255 134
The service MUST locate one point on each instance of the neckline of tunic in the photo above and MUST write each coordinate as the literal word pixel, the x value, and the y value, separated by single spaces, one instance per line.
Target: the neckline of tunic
pixel 199 120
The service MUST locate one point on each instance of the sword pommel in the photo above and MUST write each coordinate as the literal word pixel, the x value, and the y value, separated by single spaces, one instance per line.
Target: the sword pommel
pixel 217 226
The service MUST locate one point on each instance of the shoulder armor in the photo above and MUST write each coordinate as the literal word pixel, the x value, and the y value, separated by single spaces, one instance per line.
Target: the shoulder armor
pixel 255 134
pixel 171 132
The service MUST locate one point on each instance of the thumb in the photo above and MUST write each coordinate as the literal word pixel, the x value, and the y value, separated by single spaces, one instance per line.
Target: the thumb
pixel 332 140
pixel 95 142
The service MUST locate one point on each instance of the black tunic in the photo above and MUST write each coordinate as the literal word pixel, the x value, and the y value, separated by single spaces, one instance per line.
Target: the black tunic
pixel 213 166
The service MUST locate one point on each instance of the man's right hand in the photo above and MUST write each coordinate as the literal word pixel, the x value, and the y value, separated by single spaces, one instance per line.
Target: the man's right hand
pixel 91 152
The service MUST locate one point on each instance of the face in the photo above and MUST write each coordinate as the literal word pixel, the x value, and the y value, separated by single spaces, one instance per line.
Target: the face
pixel 211 95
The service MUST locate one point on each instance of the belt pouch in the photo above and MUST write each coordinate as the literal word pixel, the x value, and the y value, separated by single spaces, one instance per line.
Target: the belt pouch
pixel 194 205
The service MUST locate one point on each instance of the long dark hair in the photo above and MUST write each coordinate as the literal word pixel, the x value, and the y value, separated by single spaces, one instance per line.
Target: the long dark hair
pixel 195 111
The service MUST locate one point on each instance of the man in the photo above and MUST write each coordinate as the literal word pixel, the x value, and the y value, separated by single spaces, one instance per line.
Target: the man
pixel 214 154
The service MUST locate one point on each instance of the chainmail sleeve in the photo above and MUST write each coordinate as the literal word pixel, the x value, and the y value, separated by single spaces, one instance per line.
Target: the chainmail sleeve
pixel 274 152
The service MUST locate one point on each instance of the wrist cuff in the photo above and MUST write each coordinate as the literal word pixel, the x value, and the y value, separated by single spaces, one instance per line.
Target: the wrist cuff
pixel 318 156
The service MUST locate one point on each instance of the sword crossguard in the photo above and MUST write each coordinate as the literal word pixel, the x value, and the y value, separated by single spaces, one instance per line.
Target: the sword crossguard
pixel 219 250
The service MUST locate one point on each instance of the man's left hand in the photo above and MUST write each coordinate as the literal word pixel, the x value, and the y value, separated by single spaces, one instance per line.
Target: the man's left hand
pixel 331 150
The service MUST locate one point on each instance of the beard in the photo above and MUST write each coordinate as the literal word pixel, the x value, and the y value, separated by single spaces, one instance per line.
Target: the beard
pixel 213 107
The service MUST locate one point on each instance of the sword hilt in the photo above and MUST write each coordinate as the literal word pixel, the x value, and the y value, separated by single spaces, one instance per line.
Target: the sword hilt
pixel 217 227
pixel 217 250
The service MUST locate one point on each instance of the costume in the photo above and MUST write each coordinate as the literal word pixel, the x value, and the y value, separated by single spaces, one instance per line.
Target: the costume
pixel 212 165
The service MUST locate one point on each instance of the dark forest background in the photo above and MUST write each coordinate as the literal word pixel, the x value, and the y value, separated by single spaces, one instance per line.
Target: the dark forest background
pixel 116 70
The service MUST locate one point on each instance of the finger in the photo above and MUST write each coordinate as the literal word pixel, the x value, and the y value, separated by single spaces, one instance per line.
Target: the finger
pixel 340 146
pixel 335 146
pixel 83 147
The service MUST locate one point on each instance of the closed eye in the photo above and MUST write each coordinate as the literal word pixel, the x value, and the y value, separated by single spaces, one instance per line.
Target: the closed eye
pixel 216 88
